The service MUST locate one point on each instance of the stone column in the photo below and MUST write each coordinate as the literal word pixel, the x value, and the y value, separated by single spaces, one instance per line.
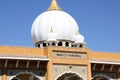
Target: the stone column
pixel 4 74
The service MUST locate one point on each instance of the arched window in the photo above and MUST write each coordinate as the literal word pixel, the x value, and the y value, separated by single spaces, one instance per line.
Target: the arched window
pixel 38 45
pixel 60 43
pixel 25 76
pixel 53 44
pixel 14 78
pixel 44 44
pixel 69 76
pixel 67 44
pixel 81 46
pixel 75 45
pixel 72 46
pixel 100 78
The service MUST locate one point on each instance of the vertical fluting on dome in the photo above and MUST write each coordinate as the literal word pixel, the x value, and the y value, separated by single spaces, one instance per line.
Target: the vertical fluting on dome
pixel 54 6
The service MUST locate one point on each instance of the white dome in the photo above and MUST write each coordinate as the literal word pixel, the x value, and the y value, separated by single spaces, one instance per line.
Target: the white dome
pixel 78 38
pixel 63 24
pixel 51 36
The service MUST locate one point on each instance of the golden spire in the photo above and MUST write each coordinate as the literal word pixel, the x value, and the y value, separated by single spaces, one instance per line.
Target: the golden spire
pixel 54 6
pixel 51 30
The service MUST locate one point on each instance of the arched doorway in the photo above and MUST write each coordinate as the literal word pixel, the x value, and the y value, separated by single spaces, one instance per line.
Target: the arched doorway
pixel 100 78
pixel 25 76
pixel 69 76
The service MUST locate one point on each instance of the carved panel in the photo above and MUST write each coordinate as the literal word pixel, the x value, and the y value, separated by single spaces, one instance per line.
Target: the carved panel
pixel 59 70
pixel 80 55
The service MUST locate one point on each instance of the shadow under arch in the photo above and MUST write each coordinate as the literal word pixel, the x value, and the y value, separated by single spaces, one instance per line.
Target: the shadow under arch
pixel 25 76
pixel 101 77
pixel 69 76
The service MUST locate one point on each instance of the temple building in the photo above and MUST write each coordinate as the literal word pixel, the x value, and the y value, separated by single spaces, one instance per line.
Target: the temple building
pixel 60 53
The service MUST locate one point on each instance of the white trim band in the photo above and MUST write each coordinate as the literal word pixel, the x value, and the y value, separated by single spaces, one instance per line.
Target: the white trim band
pixel 105 62
pixel 25 58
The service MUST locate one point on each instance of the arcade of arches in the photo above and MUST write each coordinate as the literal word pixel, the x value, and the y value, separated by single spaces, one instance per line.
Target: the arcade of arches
pixel 60 52
pixel 70 76
pixel 100 78
pixel 25 76
pixel 66 76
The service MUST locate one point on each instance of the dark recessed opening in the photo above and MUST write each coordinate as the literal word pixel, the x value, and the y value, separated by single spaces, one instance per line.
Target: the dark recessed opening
pixel 53 44
pixel 81 46
pixel 72 46
pixel 75 45
pixel 60 43
pixel 14 78
pixel 67 44
pixel 44 44
pixel 38 45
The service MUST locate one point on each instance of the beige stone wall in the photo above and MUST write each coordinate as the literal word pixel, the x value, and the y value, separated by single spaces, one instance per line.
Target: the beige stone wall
pixel 59 70
pixel 21 51
pixel 107 56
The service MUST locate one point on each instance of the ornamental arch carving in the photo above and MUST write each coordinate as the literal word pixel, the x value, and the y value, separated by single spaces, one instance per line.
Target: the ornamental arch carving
pixel 69 76
pixel 25 76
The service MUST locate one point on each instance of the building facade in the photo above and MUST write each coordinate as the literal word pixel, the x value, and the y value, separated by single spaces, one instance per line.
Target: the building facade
pixel 60 53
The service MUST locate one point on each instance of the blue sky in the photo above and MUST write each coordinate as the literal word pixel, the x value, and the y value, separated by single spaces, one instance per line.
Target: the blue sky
pixel 98 20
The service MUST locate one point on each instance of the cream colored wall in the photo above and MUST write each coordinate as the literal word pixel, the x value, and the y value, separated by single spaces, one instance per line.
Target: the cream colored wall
pixel 55 61
pixel 104 56
pixel 48 52
pixel 21 51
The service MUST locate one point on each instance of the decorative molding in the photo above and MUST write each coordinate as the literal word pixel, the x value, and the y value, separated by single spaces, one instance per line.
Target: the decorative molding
pixel 69 72
pixel 25 73
pixel 25 58
pixel 102 75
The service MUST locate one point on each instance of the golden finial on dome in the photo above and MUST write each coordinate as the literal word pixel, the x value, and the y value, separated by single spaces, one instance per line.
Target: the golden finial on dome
pixel 54 6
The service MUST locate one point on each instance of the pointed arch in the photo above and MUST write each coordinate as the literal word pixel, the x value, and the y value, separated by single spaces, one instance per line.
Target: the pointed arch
pixel 101 77
pixel 67 44
pixel 69 75
pixel 25 76
pixel 60 43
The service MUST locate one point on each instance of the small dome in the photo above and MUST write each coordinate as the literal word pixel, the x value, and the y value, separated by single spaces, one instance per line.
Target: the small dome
pixel 78 38
pixel 52 36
